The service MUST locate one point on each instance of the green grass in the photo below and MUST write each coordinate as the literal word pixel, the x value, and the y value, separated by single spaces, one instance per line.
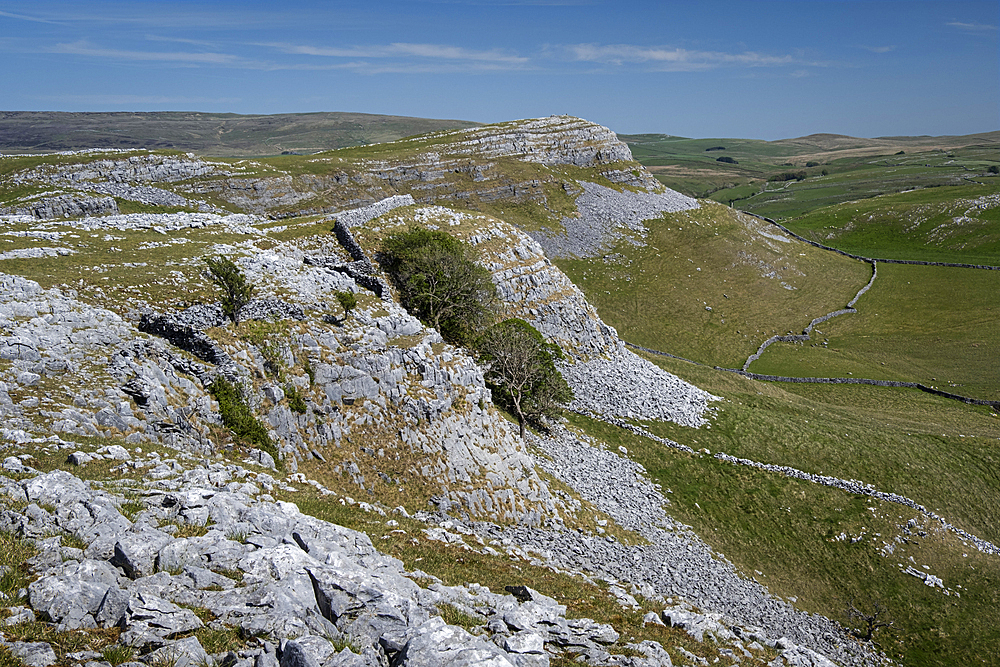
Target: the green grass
pixel 14 551
pixel 657 296
pixel 927 324
pixel 118 654
pixel 47 461
pixel 783 532
pixel 949 224
pixel 129 206
pixel 940 453
pixel 113 268
pixel 62 642
pixel 855 168
pixel 790 199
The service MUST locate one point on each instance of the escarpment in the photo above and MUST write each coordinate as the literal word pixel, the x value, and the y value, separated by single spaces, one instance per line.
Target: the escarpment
pixel 207 442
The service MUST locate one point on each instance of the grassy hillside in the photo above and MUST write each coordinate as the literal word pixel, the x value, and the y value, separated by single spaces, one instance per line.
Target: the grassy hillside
pixel 959 224
pixel 764 177
pixel 712 284
pixel 206 133
pixel 927 324
pixel 822 547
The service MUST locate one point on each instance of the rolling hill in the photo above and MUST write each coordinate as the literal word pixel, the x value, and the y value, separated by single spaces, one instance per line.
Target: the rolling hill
pixel 206 133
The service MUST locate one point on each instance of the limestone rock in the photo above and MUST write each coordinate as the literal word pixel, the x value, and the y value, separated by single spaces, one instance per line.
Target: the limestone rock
pixel 433 644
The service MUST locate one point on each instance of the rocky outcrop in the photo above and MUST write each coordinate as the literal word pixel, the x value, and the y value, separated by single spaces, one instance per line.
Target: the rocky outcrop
pixel 371 398
pixel 607 216
pixel 65 206
pixel 143 168
pixel 430 399
pixel 675 562
pixel 126 178
pixel 553 140
pixel 299 590
pixel 532 288
pixel 263 569
pixel 460 166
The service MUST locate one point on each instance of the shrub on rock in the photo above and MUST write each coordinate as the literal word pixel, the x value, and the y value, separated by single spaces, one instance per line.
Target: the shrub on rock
pixel 522 372
pixel 239 419
pixel 439 282
pixel 236 289
pixel 347 301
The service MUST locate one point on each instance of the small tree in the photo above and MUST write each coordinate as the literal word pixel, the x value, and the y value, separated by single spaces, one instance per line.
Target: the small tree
pixel 521 371
pixel 347 301
pixel 870 614
pixel 994 169
pixel 236 289
pixel 439 282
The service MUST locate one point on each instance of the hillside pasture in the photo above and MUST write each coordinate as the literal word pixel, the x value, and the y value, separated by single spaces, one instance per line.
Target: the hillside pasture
pixel 854 168
pixel 712 284
pixel 822 547
pixel 957 224
pixel 928 324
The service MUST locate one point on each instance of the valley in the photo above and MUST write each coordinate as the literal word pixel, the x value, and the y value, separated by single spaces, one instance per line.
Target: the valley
pixel 627 507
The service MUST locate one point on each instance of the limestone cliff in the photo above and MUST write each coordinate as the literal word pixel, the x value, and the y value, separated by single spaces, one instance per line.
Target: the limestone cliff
pixel 111 343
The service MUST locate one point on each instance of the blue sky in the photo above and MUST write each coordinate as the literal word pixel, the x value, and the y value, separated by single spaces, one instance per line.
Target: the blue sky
pixel 766 70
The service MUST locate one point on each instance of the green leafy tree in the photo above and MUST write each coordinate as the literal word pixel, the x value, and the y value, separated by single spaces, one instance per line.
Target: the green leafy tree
pixel 521 371
pixel 347 301
pixel 439 282
pixel 236 289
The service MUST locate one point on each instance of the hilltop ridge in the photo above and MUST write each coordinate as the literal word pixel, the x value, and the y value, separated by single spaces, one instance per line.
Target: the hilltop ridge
pixel 217 134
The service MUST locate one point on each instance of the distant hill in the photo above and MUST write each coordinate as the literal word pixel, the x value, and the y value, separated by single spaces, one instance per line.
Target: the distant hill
pixel 213 134
pixel 813 171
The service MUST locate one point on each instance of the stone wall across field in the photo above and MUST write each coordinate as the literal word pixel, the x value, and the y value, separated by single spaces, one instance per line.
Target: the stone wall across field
pixel 874 383
pixel 872 259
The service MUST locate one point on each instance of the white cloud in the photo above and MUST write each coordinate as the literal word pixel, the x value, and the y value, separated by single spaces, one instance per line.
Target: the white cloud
pixel 25 17
pixel 178 40
pixel 671 59
pixel 879 49
pixel 972 27
pixel 442 52
pixel 84 48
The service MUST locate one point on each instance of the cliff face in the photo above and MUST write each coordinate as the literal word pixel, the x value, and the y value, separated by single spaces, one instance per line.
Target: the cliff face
pixel 551 141
pixel 333 389
pixel 102 355
pixel 468 167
